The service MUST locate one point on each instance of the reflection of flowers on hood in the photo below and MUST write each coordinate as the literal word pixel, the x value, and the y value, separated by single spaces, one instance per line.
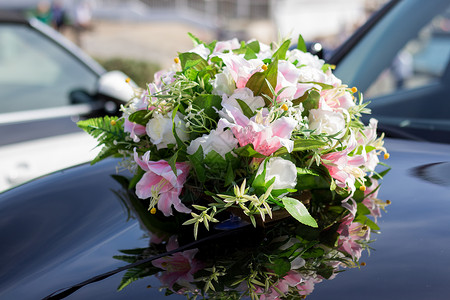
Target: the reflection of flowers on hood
pixel 178 268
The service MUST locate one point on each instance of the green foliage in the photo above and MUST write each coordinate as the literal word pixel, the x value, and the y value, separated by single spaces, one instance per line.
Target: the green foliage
pixel 248 151
pixel 298 210
pixel 301 145
pixel 280 54
pixel 301 45
pixel 262 82
pixel 106 130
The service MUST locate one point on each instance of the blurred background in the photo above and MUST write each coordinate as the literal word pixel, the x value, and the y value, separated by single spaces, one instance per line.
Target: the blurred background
pixel 140 37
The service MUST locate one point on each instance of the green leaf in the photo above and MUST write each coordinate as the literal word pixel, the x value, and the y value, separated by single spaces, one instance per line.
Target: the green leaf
pixel 140 117
pixel 301 45
pixel 195 39
pixel 215 161
pixel 192 60
pixel 301 145
pixel 248 151
pixel 363 219
pixel 250 54
pixel 311 102
pixel 180 143
pixel 254 46
pixel 196 160
pixel 106 130
pixel 230 175
pixel 306 171
pixel 325 271
pixel 209 103
pixel 172 162
pixel 245 108
pixel 299 211
pixel 259 82
pixel 280 266
pixel 280 54
pixel 136 178
pixel 313 253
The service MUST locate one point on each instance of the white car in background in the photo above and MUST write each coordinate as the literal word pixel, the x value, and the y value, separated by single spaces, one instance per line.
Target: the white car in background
pixel 46 85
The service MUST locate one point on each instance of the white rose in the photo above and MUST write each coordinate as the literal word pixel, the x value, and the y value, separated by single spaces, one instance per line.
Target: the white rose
pixel 246 95
pixel 305 58
pixel 224 83
pixel 283 170
pixel 327 121
pixel 221 141
pixel 159 129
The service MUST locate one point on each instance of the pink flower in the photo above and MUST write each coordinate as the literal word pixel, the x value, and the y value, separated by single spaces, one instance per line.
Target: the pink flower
pixel 337 99
pixel 287 79
pixel 371 201
pixel 343 167
pixel 160 181
pixel 293 280
pixel 179 267
pixel 229 45
pixel 134 129
pixel 266 137
pixel 239 68
pixel 351 235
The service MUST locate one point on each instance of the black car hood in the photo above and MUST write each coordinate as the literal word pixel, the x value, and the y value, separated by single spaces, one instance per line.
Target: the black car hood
pixel 65 228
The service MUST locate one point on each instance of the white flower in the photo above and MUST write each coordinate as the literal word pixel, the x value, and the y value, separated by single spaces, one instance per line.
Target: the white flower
pixel 305 58
pixel 327 121
pixel 283 170
pixel 202 51
pixel 224 83
pixel 221 141
pixel 229 45
pixel 246 95
pixel 159 129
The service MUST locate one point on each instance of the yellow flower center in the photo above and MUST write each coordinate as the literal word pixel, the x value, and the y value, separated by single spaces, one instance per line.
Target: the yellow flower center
pixel 153 211
pixel 354 89
pixel 386 155
pixel 113 122
pixel 264 67
pixel 127 80
pixel 362 188
pixel 176 60
pixel 284 107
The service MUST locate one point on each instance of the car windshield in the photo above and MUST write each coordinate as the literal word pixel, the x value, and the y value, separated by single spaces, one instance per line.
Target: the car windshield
pixel 402 67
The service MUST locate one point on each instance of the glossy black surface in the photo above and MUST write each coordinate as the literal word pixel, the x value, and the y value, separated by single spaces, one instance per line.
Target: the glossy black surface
pixel 63 229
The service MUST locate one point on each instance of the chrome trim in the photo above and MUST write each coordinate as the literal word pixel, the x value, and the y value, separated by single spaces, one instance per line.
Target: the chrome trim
pixel 47 113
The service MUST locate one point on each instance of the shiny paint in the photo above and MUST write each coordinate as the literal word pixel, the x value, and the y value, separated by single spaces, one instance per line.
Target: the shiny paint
pixel 65 228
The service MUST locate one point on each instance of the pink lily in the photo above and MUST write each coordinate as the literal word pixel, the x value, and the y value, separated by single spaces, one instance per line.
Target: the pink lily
pixel 161 183
pixel 266 137
pixel 179 267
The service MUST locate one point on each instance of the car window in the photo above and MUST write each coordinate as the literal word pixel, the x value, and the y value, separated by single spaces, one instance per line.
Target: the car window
pixel 37 73
pixel 421 62
pixel 402 66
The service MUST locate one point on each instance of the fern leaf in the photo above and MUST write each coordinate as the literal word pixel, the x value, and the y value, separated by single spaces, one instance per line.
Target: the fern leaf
pixel 105 129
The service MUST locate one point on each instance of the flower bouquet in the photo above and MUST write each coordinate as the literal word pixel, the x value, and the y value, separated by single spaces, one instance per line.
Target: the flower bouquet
pixel 260 130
